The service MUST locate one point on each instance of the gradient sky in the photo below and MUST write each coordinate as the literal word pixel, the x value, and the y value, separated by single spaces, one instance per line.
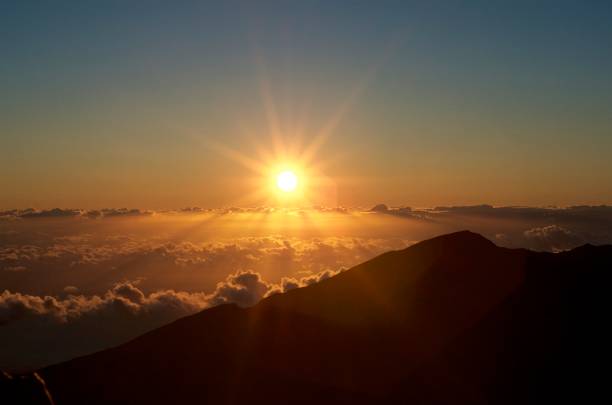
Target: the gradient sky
pixel 435 103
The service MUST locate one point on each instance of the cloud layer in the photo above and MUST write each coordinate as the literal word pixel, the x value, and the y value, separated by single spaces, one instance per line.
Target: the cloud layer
pixel 244 288
pixel 93 263
pixel 76 281
pixel 122 312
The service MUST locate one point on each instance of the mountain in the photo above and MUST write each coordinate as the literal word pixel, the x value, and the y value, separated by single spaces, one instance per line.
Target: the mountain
pixel 451 320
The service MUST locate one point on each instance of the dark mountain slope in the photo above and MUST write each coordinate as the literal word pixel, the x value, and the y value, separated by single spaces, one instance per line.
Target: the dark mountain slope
pixel 454 319
pixel 544 344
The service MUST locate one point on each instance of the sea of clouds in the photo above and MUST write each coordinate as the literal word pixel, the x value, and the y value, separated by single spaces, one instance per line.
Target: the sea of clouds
pixel 76 281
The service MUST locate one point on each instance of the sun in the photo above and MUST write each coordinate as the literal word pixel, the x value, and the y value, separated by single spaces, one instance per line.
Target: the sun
pixel 286 181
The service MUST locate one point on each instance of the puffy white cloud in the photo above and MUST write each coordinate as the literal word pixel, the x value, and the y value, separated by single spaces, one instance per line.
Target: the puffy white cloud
pixel 244 288
pixel 126 298
pixel 291 283
pixel 44 329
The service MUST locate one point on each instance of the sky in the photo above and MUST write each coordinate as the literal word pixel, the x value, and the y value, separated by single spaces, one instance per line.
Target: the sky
pixel 161 105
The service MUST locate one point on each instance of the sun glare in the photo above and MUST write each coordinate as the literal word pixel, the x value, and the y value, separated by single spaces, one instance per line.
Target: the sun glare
pixel 287 181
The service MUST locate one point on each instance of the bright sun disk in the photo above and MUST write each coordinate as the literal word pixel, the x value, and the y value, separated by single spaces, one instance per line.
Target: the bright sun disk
pixel 286 181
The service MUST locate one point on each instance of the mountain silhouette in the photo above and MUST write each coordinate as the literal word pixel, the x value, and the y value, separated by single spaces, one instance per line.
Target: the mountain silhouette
pixel 450 320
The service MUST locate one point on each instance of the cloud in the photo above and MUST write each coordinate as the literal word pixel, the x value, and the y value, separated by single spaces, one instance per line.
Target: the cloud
pixel 31 213
pixel 97 260
pixel 291 283
pixel 318 277
pixel 121 212
pixel 398 211
pixel 49 328
pixel 553 237
pixel 580 213
pixel 53 213
pixel 124 298
pixel 539 228
pixel 70 289
pixel 79 283
pixel 244 288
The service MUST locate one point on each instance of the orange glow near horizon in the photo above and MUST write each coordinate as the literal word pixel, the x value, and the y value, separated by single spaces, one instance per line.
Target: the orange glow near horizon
pixel 285 176
pixel 286 167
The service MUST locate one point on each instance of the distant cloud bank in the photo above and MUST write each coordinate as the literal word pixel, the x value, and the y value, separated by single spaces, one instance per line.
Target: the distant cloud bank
pixel 576 212
pixel 71 213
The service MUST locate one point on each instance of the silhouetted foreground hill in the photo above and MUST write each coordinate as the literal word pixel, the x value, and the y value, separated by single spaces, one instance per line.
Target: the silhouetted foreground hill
pixel 451 320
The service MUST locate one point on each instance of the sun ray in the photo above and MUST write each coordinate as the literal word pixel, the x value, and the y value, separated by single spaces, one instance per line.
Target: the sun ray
pixel 248 162
pixel 287 152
